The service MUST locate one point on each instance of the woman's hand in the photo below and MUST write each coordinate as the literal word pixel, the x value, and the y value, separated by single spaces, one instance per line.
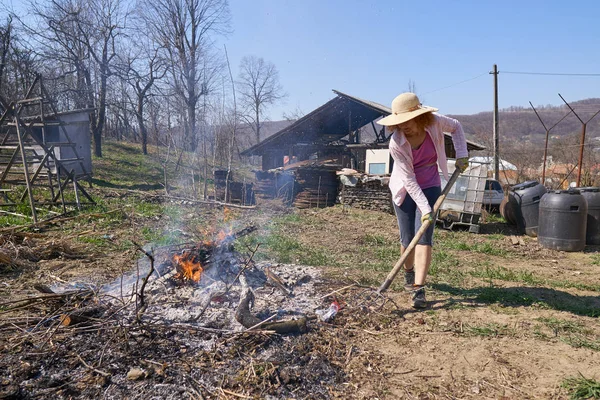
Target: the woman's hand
pixel 462 163
pixel 427 217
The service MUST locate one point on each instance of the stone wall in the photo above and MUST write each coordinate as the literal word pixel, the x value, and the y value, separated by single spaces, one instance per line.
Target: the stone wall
pixel 370 195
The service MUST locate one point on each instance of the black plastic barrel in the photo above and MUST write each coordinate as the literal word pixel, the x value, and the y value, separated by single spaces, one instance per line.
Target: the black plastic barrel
pixel 563 220
pixel 592 196
pixel 510 209
pixel 523 206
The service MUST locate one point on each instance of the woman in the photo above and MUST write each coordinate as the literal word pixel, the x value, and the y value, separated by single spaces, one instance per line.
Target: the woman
pixel 418 148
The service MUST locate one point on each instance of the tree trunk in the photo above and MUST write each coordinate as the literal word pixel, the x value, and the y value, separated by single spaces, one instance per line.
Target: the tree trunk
pixel 101 114
pixel 257 126
pixel 142 125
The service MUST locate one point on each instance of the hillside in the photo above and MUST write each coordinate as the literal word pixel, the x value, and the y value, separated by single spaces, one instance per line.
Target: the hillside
pixel 522 123
pixel 515 123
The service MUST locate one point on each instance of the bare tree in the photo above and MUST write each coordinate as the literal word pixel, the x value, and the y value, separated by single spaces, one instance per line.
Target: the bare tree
pixel 259 87
pixel 5 38
pixel 141 71
pixel 412 86
pixel 293 115
pixel 84 35
pixel 185 28
pixel 100 32
pixel 18 64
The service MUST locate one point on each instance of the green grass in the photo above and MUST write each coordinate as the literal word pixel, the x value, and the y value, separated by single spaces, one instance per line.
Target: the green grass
pixel 454 243
pixel 376 240
pixel 579 341
pixel 494 218
pixel 490 330
pixel 289 250
pixel 487 271
pixel 559 325
pixel 570 332
pixel 582 388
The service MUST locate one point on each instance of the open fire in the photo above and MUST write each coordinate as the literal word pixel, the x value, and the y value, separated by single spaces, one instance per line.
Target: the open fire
pixel 187 267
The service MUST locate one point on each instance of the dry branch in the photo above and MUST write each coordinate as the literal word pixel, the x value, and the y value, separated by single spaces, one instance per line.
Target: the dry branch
pixel 248 320
pixel 80 315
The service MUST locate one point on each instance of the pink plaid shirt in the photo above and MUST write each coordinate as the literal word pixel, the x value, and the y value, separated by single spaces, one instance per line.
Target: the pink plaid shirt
pixel 403 178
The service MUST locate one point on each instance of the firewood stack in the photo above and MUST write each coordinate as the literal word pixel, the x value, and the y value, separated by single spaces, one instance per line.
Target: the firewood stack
pixel 317 187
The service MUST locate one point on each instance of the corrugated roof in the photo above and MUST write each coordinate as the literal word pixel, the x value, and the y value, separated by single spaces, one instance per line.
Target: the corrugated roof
pixel 375 106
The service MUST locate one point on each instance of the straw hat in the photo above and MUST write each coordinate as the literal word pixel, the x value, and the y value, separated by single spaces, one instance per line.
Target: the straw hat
pixel 404 108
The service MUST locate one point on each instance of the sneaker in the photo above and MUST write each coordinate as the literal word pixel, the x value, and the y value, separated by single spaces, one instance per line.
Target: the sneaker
pixel 418 298
pixel 409 280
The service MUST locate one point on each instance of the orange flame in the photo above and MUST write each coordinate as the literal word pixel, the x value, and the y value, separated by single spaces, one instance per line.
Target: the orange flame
pixel 187 269
pixel 227 214
pixel 221 236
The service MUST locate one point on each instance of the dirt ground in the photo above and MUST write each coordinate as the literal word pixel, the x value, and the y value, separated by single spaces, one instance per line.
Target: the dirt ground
pixel 507 321
pixel 513 345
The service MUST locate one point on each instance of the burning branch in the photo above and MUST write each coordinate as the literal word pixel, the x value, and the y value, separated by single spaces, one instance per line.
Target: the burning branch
pixel 187 268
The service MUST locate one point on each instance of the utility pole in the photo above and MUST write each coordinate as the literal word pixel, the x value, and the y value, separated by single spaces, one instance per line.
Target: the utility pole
pixel 496 141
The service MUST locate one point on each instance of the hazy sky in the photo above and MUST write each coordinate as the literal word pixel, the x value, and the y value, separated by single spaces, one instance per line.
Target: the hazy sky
pixel 371 49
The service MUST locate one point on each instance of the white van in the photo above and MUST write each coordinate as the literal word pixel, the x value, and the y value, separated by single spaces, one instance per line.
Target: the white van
pixel 493 194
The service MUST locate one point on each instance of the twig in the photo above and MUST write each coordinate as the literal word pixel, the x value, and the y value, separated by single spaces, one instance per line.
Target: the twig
pixel 55 219
pixel 92 368
pixel 404 372
pixel 241 396
pixel 144 281
pixel 337 291
pixel 261 322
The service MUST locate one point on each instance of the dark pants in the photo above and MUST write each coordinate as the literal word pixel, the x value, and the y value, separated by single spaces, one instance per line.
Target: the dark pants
pixel 409 218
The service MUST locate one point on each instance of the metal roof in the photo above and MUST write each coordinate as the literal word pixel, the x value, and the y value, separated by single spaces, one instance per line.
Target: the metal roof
pixel 332 121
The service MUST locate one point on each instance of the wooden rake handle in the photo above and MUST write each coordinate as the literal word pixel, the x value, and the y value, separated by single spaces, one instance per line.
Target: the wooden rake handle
pixel 388 281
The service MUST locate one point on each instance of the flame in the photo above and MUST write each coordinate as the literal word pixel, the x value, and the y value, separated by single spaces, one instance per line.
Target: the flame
pixel 227 214
pixel 221 236
pixel 187 269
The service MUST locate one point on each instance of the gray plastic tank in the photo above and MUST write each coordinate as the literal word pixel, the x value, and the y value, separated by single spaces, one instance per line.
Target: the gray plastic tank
pixel 563 220
pixel 592 196
pixel 524 204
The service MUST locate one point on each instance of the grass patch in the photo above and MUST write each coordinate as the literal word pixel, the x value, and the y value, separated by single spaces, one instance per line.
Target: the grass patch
pixel 454 242
pixel 579 341
pixel 444 268
pixel 490 330
pixel 570 332
pixel 287 249
pixel 375 240
pixel 581 388
pixel 561 325
pixel 486 271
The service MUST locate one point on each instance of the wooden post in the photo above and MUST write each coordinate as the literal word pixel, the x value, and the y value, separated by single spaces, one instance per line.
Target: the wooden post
pixel 581 147
pixel 25 167
pixel 496 136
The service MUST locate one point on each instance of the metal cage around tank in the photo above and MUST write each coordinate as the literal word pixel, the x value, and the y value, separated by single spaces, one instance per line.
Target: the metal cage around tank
pixel 463 204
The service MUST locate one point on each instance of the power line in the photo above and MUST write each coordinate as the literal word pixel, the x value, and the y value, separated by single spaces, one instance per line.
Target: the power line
pixel 454 84
pixel 546 73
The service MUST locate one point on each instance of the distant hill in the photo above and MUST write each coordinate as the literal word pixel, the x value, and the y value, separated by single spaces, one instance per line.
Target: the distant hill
pixel 519 123
pixel 516 124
